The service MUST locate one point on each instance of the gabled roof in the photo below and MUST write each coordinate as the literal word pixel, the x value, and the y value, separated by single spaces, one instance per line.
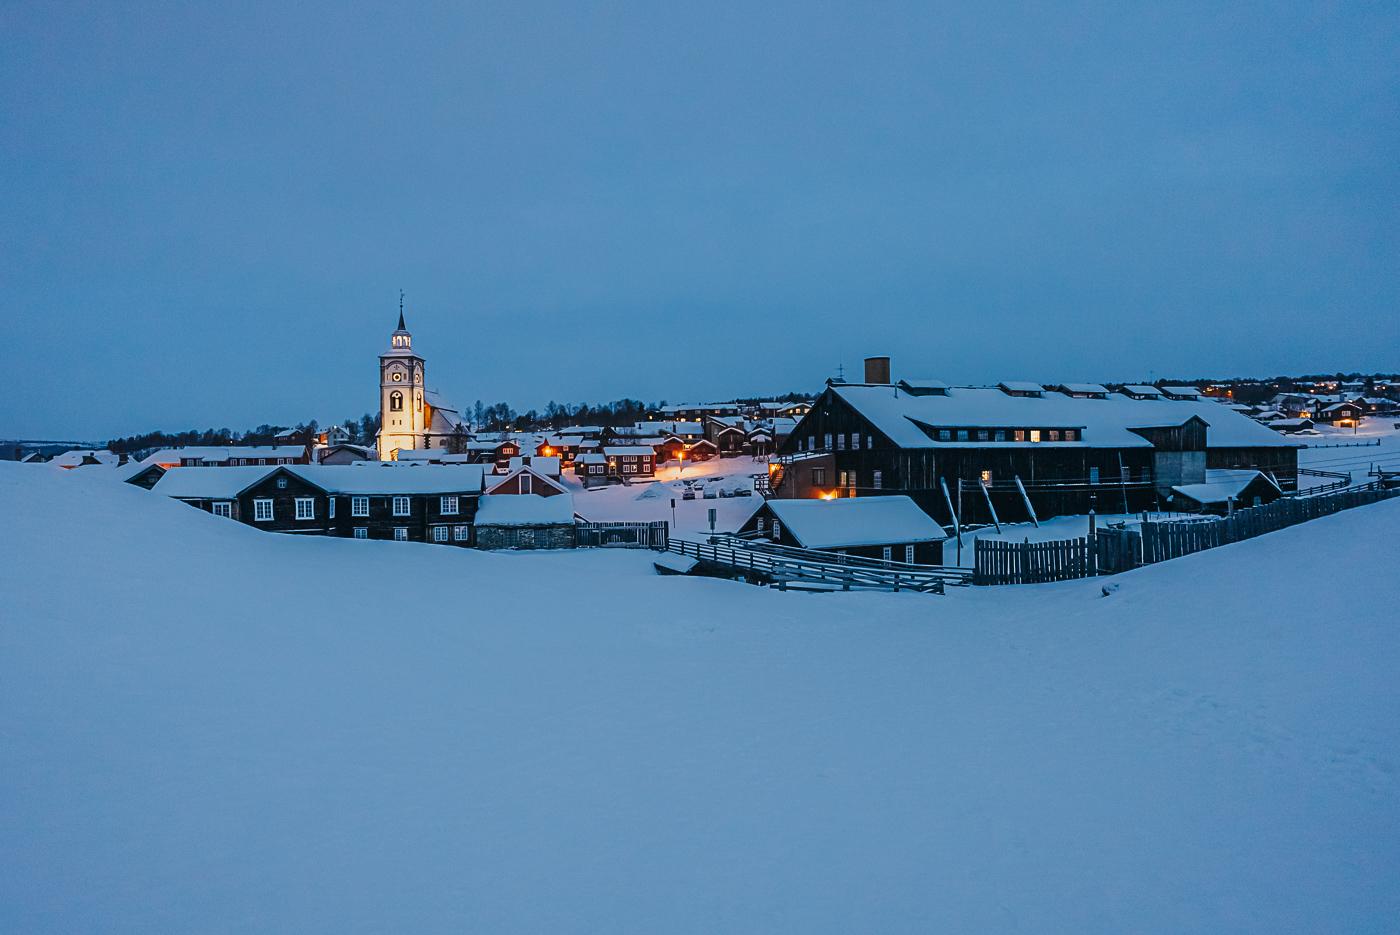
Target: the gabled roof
pixel 1221 485
pixel 516 472
pixel 624 450
pixel 1188 392
pixel 527 509
pixel 1104 423
pixel 209 483
pixel 1141 389
pixel 1087 388
pixel 855 521
pixel 1021 386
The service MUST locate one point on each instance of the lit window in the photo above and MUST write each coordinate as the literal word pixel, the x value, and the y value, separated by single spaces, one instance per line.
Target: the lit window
pixel 986 477
pixel 224 509
pixel 401 506
pixel 359 506
pixel 449 506
pixel 361 532
pixel 262 511
pixel 306 508
pixel 1035 435
pixel 396 401
pixel 1020 435
pixel 400 533
pixel 1054 435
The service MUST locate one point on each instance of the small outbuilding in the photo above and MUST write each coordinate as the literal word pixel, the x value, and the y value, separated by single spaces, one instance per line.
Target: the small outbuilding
pixel 1223 488
pixel 892 528
pixel 525 521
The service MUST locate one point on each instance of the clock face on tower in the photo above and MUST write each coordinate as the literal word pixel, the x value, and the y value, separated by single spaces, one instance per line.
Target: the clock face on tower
pixel 396 376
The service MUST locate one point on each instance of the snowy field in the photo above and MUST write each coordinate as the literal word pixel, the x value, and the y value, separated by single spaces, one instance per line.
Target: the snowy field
pixel 1323 455
pixel 206 728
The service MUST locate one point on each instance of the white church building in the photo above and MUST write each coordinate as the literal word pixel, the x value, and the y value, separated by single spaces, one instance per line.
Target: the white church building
pixel 410 415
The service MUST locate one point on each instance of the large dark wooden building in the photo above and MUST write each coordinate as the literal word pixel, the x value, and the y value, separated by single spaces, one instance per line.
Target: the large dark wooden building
pixel 975 453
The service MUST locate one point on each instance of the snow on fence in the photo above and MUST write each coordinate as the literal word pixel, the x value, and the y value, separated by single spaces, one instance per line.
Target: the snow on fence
pixel 1111 551
pixel 622 535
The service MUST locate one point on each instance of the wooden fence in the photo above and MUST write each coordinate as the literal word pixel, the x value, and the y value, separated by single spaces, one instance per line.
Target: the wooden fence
pixel 1113 550
pixel 622 535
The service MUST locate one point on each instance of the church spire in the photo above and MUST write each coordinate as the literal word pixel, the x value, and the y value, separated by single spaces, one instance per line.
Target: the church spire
pixel 401 327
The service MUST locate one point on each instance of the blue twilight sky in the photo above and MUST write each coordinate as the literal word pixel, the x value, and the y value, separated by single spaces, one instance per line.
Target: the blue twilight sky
pixel 207 210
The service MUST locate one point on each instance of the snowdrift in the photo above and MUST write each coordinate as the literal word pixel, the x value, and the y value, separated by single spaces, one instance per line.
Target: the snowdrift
pixel 208 728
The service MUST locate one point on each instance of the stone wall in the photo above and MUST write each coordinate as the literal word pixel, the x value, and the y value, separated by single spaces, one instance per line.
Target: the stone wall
pixel 525 537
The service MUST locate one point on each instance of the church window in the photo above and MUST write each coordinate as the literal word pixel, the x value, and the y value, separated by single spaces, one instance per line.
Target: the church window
pixel 396 401
pixel 359 506
pixel 449 506
pixel 401 506
pixel 262 511
pixel 400 533
pixel 306 508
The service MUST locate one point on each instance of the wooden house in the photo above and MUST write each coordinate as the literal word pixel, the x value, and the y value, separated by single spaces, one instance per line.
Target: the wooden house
pixel 891 528
pixel 1342 415
pixel 1016 449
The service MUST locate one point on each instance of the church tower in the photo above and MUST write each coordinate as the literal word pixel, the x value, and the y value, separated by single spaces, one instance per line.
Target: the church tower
pixel 401 413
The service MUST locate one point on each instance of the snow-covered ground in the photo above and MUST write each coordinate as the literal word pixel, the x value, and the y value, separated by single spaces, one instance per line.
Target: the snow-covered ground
pixel 206 728
pixel 1323 455
pixel 648 502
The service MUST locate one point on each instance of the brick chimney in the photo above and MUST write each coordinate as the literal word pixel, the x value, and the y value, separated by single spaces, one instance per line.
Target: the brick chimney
pixel 877 370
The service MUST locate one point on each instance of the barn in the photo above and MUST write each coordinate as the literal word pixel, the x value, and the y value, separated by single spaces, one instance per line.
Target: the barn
pixel 975 454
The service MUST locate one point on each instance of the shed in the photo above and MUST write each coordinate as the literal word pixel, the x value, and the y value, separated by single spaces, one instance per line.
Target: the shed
pixel 892 528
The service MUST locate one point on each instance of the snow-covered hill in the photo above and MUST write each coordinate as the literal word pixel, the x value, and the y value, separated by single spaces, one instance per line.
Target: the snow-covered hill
pixel 208 728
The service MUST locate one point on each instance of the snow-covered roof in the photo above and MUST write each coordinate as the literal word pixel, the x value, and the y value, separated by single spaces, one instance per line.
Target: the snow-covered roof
pixel 1104 423
pixel 856 521
pixel 540 464
pixel 614 451
pixel 1221 485
pixel 1085 388
pixel 221 454
pixel 77 456
pixel 387 478
pixel 1188 391
pixel 1021 386
pixel 525 510
pixel 209 483
pixel 591 458
pixel 1138 389
pixel 1336 406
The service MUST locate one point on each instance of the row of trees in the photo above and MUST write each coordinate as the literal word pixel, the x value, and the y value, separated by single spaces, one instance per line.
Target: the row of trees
pixel 496 417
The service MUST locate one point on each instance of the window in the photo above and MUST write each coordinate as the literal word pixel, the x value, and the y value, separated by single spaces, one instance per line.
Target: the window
pixel 1054 435
pixel 401 506
pixel 826 441
pixel 359 506
pixel 908 555
pixel 400 533
pixel 1020 435
pixel 818 477
pixel 962 435
pixel 811 443
pixel 877 479
pixel 461 533
pixel 306 508
pixel 945 435
pixel 1071 435
pixel 777 530
pixel 262 511
pixel 396 401
pixel 1035 435
pixel 449 506
pixel 887 553
pixel 1093 475
pixel 841 442
pixel 330 508
pixel 986 477
pixel 439 533
pixel 999 435
pixel 222 508
pixel 361 532
pixel 762 524
pixel 982 435
pixel 868 444
pixel 281 483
